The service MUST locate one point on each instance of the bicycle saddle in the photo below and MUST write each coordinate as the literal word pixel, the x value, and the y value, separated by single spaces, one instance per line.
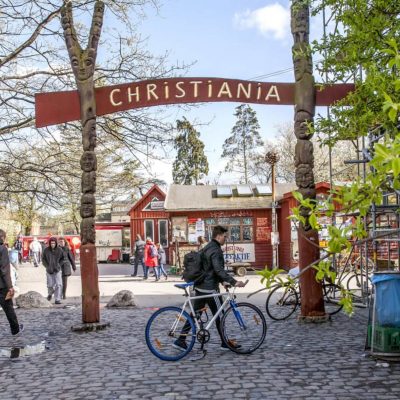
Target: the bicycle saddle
pixel 184 285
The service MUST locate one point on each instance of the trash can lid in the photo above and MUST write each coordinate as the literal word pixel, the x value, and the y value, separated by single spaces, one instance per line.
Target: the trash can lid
pixel 385 276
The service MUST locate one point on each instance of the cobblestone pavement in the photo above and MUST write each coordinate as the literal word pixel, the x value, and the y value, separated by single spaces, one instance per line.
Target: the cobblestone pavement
pixel 297 361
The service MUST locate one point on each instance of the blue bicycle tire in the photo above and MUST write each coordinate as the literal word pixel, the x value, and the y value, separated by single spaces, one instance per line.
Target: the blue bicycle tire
pixel 189 345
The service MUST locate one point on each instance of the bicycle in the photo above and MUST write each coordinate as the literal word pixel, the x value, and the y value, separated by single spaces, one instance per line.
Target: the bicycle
pixel 243 326
pixel 281 305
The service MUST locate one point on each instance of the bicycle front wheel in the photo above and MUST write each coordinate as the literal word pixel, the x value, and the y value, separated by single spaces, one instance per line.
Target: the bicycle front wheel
pixel 282 302
pixel 170 333
pixel 332 297
pixel 243 328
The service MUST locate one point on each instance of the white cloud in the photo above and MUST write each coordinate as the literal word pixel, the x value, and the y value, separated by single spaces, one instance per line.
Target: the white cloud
pixel 272 20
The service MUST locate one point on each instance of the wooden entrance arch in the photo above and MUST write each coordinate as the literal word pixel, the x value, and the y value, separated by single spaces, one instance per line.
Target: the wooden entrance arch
pixel 88 102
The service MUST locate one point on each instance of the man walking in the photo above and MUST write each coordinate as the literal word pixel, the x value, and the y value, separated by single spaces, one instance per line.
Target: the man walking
pixel 6 288
pixel 52 260
pixel 36 250
pixel 139 256
pixel 214 274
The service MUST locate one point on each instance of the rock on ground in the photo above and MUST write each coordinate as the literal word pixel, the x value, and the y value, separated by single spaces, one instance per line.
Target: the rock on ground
pixel 123 298
pixel 32 300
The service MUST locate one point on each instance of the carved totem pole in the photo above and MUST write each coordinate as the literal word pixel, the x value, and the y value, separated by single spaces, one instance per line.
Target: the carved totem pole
pixel 83 65
pixel 312 305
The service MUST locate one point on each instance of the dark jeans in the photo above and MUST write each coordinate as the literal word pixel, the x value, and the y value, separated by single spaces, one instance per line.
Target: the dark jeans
pixel 214 303
pixel 64 288
pixel 8 307
pixel 136 264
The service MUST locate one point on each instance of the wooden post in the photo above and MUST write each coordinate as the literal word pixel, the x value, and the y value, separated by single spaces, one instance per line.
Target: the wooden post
pixel 272 159
pixel 312 304
pixel 83 64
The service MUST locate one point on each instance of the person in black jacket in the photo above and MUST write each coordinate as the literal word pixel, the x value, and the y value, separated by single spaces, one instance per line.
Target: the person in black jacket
pixel 52 259
pixel 6 288
pixel 214 274
pixel 67 263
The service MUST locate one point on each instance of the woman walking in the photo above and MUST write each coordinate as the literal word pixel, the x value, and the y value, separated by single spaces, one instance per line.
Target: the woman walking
pixel 151 257
pixel 68 261
pixel 162 260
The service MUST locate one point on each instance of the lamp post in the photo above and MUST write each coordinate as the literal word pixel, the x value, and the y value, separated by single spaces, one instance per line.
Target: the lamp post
pixel 272 159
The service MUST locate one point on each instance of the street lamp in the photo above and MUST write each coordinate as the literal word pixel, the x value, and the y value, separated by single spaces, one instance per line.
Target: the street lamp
pixel 272 159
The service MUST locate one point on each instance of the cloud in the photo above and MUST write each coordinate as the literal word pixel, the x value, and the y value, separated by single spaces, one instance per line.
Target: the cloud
pixel 272 20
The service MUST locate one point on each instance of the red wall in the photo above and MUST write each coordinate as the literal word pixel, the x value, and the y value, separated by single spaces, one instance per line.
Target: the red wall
pixel 138 216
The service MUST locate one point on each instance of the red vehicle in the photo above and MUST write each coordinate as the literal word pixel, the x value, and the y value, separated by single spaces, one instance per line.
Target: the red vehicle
pixel 74 242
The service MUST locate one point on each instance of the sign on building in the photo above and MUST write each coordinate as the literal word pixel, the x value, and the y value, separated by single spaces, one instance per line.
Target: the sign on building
pixel 240 252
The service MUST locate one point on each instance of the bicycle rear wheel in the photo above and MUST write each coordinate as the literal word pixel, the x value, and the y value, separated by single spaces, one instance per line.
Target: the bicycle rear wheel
pixel 164 328
pixel 332 297
pixel 282 302
pixel 243 328
pixel 360 285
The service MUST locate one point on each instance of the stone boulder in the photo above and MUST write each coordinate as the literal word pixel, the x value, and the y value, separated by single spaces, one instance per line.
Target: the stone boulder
pixel 32 300
pixel 124 298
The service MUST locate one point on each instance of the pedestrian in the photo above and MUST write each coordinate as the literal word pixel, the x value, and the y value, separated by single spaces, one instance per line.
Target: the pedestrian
pixel 151 257
pixel 214 274
pixel 67 263
pixel 36 250
pixel 53 258
pixel 162 260
pixel 201 243
pixel 18 246
pixel 7 289
pixel 139 256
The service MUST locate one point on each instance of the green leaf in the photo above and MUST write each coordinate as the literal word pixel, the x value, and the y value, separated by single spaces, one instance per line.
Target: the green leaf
pixel 396 166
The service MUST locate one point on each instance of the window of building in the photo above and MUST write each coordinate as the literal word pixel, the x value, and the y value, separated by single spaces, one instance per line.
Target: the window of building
pixel 149 229
pixel 239 229
pixel 163 232
pixel 179 228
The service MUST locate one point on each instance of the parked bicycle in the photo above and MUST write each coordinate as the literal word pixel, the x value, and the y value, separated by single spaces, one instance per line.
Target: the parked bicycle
pixel 354 274
pixel 284 299
pixel 243 326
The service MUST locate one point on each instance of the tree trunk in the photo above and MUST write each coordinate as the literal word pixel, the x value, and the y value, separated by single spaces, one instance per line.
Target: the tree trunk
pixel 312 304
pixel 83 65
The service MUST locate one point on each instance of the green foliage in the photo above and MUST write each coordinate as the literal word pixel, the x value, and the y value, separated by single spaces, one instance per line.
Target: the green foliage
pixel 191 163
pixel 240 149
pixel 365 39
pixel 270 276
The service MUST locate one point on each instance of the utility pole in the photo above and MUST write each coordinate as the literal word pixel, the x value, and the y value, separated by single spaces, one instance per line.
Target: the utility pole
pixel 272 159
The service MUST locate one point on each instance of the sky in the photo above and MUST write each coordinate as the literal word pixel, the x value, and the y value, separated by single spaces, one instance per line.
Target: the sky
pixel 228 39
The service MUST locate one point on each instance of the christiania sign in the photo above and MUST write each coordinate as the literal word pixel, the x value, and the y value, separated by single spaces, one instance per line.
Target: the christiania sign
pixel 59 107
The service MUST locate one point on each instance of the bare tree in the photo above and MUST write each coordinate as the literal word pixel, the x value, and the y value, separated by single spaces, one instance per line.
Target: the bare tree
pixel 284 144
pixel 33 59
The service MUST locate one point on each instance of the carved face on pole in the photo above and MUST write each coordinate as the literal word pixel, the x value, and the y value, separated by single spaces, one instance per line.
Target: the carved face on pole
pixel 89 138
pixel 302 66
pixel 88 182
pixel 88 233
pixel 300 23
pixel 83 64
pixel 302 121
pixel 304 176
pixel 88 161
pixel 88 206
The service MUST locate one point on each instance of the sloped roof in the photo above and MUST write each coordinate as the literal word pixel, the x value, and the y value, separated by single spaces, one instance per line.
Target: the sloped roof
pixel 203 197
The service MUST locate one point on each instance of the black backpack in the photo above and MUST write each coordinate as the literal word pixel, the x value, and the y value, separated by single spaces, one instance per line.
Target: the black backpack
pixel 193 270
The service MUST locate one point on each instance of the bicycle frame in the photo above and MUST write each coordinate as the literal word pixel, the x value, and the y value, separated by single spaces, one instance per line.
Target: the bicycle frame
pixel 229 299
